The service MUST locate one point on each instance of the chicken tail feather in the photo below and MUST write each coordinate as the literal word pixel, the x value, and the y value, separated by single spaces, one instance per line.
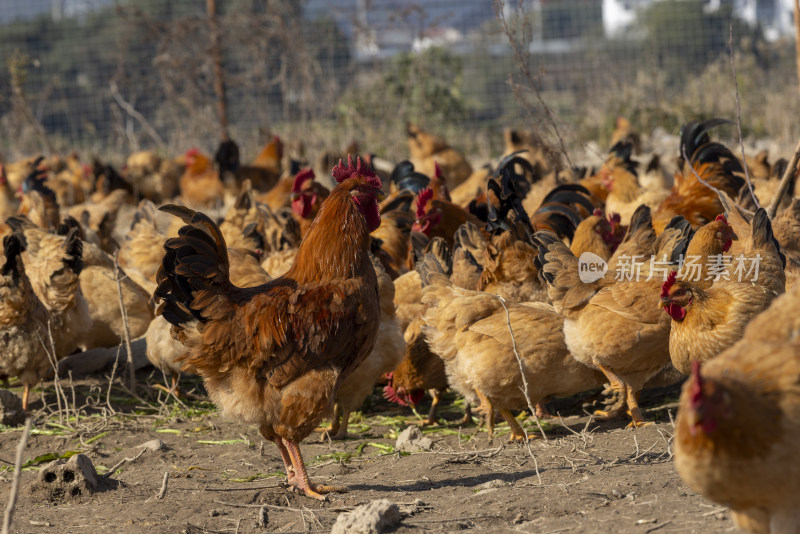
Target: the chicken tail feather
pixel 763 235
pixel 194 262
pixel 12 247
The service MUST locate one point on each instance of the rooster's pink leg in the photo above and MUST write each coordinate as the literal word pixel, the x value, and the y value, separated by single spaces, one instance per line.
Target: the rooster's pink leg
pixel 300 480
pixel 287 460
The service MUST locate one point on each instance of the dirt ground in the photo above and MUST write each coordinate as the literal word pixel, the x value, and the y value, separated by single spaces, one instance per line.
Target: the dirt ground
pixel 586 477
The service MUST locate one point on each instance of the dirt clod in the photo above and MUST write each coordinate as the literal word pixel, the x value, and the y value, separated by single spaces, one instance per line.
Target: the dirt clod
pixel 153 445
pixel 412 440
pixel 371 518
pixel 70 479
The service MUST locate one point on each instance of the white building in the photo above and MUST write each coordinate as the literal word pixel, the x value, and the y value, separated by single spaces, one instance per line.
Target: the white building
pixel 776 17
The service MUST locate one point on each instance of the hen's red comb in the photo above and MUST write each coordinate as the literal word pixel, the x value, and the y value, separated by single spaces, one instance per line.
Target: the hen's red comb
pixel 341 173
pixel 302 177
pixel 721 217
pixel 615 217
pixel 666 286
pixel 192 152
pixel 423 198
pixel 598 212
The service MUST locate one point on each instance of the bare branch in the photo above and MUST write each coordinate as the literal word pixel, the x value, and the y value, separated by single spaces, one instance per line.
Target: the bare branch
pixel 125 324
pixel 739 117
pixel 791 171
pixel 12 498
pixel 129 109
pixel 521 371
pixel 521 56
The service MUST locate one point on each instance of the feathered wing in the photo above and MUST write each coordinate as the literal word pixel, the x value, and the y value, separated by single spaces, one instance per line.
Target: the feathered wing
pixel 278 331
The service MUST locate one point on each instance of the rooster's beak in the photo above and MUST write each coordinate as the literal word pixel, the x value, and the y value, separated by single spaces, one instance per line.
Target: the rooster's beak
pixel 661 303
pixel 380 196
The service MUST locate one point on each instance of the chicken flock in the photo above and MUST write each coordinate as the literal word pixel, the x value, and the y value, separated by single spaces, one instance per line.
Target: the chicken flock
pixel 294 296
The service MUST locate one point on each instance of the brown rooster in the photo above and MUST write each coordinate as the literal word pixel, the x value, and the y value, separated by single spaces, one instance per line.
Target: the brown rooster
pixel 275 355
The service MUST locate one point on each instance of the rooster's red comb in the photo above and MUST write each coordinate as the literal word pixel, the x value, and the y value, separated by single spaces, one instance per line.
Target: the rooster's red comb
pixel 192 152
pixel 302 177
pixel 721 217
pixel 341 173
pixel 423 198
pixel 666 286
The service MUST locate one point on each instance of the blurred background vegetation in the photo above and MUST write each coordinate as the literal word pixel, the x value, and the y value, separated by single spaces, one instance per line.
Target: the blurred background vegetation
pixel 113 76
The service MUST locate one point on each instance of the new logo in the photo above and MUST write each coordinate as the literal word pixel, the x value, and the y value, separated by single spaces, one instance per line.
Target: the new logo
pixel 591 267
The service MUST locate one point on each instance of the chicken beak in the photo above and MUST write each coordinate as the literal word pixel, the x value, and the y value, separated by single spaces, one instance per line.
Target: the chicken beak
pixel 662 303
pixel 381 196
pixel 294 196
pixel 734 237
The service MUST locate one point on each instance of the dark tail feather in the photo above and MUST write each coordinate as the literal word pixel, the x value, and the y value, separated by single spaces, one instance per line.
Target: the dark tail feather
pixel 694 134
pixel 12 247
pixel 441 250
pixel 69 223
pixel 428 268
pixel 762 233
pixel 19 223
pixel 543 239
pixel 641 219
pixel 679 230
pixel 73 247
pixel 146 211
pixel 196 260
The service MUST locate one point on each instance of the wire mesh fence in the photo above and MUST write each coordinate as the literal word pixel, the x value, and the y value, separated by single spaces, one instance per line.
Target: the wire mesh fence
pixel 113 76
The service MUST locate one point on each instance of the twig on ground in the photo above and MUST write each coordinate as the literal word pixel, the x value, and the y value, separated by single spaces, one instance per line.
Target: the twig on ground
pixel 124 460
pixel 464 518
pixel 668 441
pixel 12 498
pixel 243 489
pixel 276 507
pixel 643 453
pixel 163 491
pixel 111 380
pixel 653 529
